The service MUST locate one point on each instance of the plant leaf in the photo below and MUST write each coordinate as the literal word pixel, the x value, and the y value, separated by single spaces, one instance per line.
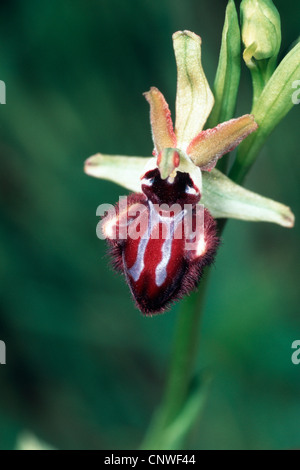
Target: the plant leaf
pixel 229 69
pixel 173 435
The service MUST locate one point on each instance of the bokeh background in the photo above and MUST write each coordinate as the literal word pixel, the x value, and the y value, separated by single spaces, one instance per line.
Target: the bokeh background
pixel 85 369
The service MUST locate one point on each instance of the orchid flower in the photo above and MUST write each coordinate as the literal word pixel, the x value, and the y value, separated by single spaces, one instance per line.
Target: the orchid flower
pixel 160 269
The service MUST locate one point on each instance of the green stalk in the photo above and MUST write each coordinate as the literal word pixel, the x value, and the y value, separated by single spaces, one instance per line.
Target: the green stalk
pixel 186 343
pixel 259 79
pixel 184 354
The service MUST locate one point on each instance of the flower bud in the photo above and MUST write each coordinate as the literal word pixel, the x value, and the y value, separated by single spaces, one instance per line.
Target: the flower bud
pixel 261 31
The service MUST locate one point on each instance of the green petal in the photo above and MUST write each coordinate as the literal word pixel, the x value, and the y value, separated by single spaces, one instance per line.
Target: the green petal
pixel 226 199
pixel 125 171
pixel 194 99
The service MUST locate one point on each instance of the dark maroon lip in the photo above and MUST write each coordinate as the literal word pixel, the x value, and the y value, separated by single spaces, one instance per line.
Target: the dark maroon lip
pixel 143 260
pixel 163 191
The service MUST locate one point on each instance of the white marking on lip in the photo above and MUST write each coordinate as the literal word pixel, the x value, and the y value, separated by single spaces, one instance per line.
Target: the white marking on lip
pixel 136 270
pixel 139 264
pixel 147 181
pixel 161 268
pixel 190 190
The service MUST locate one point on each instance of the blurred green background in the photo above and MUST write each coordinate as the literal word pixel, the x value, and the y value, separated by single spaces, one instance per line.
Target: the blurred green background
pixel 84 369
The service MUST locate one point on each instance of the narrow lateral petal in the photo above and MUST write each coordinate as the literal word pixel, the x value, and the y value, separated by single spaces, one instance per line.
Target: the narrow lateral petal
pixel 226 199
pixel 125 171
pixel 161 123
pixel 194 99
pixel 212 144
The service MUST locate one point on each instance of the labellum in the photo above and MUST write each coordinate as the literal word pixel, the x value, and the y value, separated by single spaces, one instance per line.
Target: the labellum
pixel 173 239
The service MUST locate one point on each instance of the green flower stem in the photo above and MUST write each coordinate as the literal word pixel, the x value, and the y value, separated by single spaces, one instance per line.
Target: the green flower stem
pixel 184 358
pixel 161 433
pixel 259 79
pixel 186 343
pixel 249 151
